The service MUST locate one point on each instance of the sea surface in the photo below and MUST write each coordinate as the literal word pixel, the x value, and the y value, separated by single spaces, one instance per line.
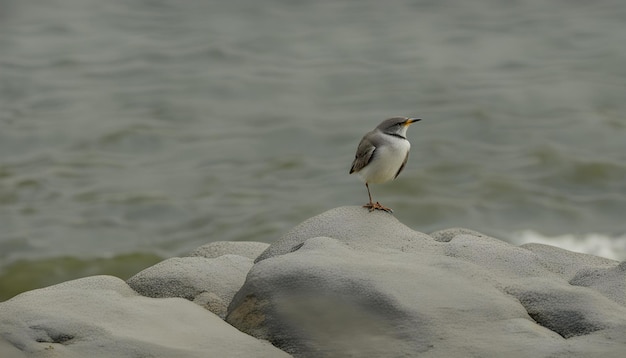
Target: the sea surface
pixel 133 131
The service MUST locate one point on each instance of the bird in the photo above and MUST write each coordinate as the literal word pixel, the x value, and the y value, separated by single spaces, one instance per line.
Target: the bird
pixel 382 154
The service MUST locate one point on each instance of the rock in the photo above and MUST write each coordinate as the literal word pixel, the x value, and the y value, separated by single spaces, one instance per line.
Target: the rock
pixel 568 310
pixel 350 226
pixel 347 282
pixel 216 279
pixel 566 263
pixel 213 303
pixel 611 282
pixel 448 234
pixel 101 316
pixel 9 351
pixel 353 283
pixel 247 249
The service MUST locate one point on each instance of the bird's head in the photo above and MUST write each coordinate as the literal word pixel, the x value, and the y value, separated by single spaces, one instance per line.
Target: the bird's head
pixel 396 125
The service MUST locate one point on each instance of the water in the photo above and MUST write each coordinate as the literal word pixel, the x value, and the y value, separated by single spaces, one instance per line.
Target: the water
pixel 143 128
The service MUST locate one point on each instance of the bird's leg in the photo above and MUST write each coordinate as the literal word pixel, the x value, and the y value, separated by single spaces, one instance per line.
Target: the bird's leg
pixel 375 206
pixel 368 194
pixel 369 205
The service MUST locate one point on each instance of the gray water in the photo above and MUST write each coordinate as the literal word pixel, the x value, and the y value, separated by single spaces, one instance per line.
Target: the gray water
pixel 158 126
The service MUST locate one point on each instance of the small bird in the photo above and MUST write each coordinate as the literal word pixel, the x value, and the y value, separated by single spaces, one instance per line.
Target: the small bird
pixel 382 154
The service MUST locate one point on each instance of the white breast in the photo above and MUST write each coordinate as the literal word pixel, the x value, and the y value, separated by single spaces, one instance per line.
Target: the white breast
pixel 388 160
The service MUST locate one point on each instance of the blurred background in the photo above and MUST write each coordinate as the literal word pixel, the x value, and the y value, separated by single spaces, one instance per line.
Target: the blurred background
pixel 133 131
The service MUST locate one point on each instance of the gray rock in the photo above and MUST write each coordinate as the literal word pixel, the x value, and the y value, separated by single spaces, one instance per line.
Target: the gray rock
pixel 353 283
pixel 189 277
pixel 213 303
pixel 247 249
pixel 568 310
pixel 611 282
pixel 566 263
pixel 348 282
pixel 349 225
pixel 101 316
pixel 499 258
pixel 448 234
pixel 9 351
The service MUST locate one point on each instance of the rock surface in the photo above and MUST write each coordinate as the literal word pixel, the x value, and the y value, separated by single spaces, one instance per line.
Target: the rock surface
pixel 210 282
pixel 101 316
pixel 346 283
pixel 247 249
pixel 353 283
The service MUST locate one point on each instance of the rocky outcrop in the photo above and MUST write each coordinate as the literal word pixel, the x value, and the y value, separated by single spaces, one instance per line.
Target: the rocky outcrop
pixel 209 282
pixel 101 316
pixel 353 283
pixel 346 283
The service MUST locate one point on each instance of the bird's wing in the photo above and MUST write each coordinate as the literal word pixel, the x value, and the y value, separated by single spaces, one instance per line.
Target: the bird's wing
pixel 364 154
pixel 406 158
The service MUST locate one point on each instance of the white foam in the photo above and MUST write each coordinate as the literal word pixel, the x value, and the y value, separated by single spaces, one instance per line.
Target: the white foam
pixel 612 247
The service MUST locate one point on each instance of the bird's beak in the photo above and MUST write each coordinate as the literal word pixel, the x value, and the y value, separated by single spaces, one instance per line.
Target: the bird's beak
pixel 411 120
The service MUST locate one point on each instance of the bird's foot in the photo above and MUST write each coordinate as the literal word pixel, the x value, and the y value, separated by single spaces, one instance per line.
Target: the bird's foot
pixel 377 206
